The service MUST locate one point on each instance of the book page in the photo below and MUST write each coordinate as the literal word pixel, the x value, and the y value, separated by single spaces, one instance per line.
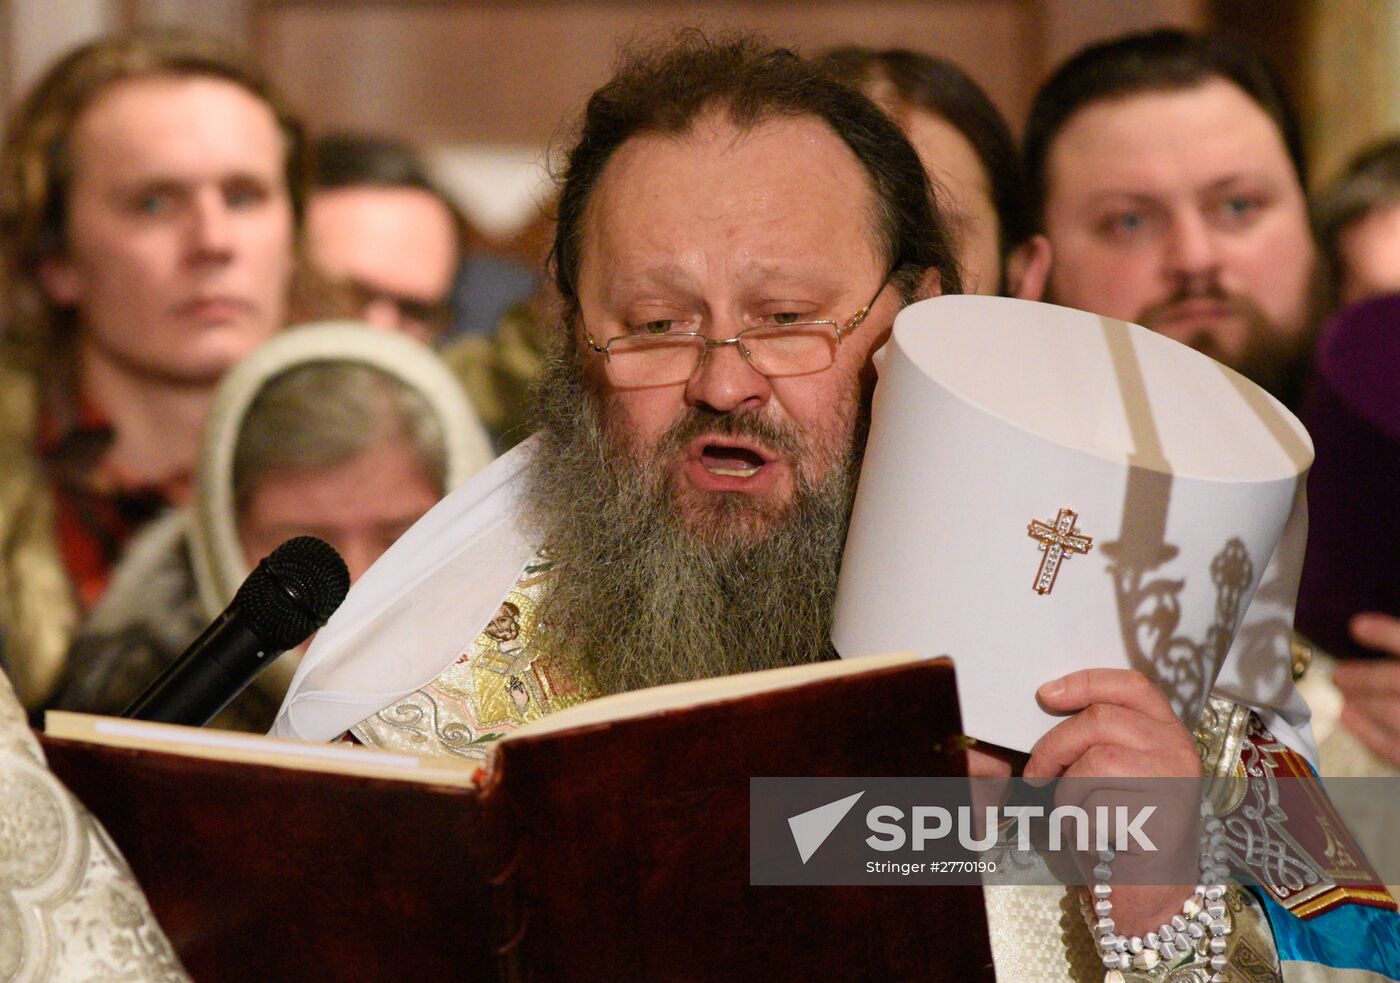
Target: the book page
pixel 641 703
pixel 224 745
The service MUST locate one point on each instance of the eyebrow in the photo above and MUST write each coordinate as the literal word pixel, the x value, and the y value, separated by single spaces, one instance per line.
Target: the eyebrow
pixel 160 180
pixel 679 277
pixel 1220 184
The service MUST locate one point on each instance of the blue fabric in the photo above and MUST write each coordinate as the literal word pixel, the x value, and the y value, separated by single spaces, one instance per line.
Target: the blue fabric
pixel 486 287
pixel 1351 936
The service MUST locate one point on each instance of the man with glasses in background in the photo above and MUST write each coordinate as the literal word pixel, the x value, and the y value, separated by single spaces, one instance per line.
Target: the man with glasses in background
pixel 383 233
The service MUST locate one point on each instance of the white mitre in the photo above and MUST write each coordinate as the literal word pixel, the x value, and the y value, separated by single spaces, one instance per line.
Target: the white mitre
pixel 1046 490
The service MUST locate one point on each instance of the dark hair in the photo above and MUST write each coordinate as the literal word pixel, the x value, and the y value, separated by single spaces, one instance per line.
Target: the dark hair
pixel 900 80
pixel 1164 60
pixel 348 160
pixel 664 90
pixel 353 160
pixel 1371 180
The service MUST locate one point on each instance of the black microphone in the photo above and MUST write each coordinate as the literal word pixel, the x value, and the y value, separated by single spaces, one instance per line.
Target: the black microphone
pixel 288 596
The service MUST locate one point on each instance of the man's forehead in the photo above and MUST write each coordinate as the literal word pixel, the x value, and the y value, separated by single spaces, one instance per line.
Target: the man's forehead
pixel 786 182
pixel 153 123
pixel 1201 134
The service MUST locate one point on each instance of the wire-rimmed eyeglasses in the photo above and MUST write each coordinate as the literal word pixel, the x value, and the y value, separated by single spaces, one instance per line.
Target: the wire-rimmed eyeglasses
pixel 774 348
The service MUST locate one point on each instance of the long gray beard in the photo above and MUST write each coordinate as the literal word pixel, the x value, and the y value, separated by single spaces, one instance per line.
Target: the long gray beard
pixel 641 598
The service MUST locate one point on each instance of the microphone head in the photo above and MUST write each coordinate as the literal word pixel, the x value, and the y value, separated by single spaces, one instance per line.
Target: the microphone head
pixel 293 591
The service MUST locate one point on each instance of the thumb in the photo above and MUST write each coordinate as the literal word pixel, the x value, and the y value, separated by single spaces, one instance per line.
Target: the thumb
pixel 1377 631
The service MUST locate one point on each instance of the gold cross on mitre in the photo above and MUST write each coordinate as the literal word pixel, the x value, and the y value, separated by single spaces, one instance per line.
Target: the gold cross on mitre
pixel 1056 542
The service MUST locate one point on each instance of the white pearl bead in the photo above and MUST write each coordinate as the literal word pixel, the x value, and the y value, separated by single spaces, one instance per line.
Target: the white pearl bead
pixel 1191 908
pixel 1146 959
pixel 1219 978
pixel 1196 930
pixel 1178 923
pixel 1103 872
pixel 1204 917
pixel 1125 961
pixel 1102 890
pixel 1168 951
pixel 1215 893
pixel 1220 927
pixel 1110 959
pixel 1103 908
pixel 1103 925
pixel 1218 963
pixel 1216 911
pixel 1113 975
pixel 1151 940
pixel 1217 945
pixel 1135 945
pixel 1106 856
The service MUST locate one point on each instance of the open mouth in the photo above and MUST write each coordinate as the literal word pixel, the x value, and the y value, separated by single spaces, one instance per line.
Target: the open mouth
pixel 731 460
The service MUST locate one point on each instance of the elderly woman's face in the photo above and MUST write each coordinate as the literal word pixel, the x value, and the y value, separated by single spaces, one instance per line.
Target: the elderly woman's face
pixel 965 197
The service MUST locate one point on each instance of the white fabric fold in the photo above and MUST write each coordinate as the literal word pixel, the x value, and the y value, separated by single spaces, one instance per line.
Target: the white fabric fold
pixel 417 608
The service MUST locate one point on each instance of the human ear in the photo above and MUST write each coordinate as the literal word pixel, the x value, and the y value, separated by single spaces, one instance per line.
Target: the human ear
pixel 59 281
pixel 929 284
pixel 1028 269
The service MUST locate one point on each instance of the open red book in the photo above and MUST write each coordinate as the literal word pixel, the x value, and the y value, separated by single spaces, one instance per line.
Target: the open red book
pixel 607 842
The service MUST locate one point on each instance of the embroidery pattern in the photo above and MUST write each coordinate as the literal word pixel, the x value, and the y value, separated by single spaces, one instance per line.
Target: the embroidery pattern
pixel 505 678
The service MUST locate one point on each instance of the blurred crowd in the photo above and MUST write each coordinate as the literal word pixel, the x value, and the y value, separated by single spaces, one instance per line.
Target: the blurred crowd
pixel 219 333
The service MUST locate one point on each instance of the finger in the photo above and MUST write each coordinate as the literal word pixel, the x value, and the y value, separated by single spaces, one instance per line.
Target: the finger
pixel 981 764
pixel 1368 678
pixel 1170 810
pixel 1377 631
pixel 1122 687
pixel 1382 712
pixel 1102 724
pixel 1369 733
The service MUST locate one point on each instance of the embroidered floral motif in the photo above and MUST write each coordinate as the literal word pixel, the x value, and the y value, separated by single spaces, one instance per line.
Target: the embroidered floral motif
pixel 505 678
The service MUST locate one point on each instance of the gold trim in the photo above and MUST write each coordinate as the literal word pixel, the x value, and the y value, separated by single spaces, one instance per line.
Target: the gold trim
pixel 1301 653
pixel 1342 895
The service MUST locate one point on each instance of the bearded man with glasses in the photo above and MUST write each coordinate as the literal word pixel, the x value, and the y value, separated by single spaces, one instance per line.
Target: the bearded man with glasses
pixel 735 236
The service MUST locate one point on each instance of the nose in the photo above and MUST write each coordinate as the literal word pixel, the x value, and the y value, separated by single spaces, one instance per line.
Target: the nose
pixel 383 313
pixel 725 382
pixel 212 227
pixel 1193 249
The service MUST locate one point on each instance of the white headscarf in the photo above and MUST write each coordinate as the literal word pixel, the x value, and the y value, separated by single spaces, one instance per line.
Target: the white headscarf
pixel 218 559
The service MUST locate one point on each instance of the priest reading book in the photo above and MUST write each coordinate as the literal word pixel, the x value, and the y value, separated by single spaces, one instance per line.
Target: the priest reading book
pixel 773 446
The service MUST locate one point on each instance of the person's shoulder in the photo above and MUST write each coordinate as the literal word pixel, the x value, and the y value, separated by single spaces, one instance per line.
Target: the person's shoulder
pixel 20 473
pixel 18 404
pixel 22 484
